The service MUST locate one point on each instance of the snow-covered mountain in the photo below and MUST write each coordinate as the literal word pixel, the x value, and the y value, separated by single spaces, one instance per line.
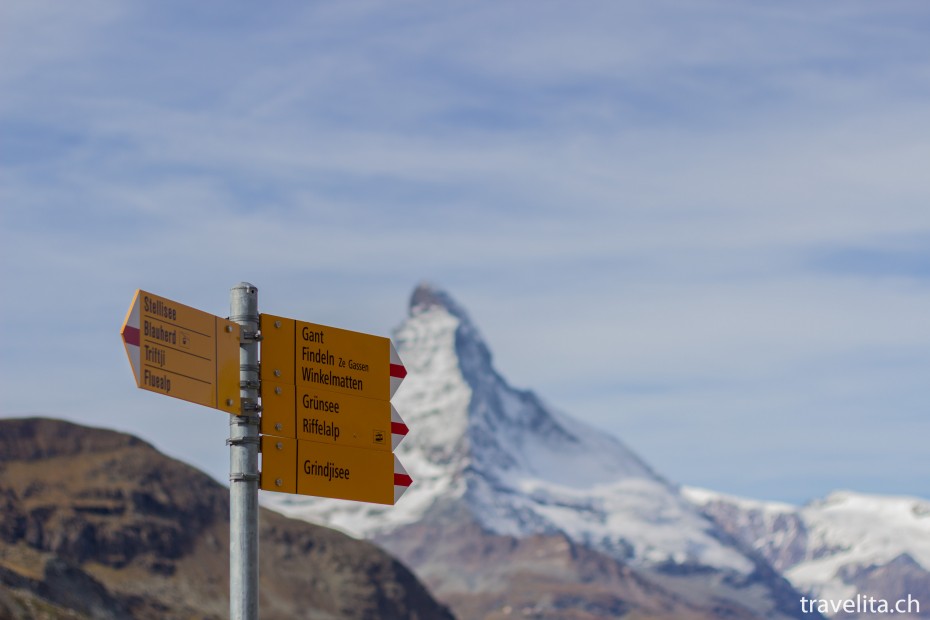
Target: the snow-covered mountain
pixel 492 461
pixel 846 545
pixel 523 468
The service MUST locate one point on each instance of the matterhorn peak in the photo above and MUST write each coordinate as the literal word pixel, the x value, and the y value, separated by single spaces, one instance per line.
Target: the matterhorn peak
pixel 470 346
pixel 426 295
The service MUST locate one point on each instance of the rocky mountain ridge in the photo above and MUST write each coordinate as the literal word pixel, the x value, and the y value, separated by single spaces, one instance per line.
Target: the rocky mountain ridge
pixel 843 546
pixel 98 524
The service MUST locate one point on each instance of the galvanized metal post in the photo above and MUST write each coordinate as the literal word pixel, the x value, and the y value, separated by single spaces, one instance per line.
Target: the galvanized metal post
pixel 243 462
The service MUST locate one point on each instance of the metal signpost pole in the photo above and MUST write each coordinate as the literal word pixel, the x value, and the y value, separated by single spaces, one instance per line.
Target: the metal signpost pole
pixel 243 462
pixel 203 371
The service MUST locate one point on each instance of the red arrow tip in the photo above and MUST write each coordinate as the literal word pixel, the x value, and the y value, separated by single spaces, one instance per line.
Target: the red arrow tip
pixel 131 335
pixel 398 371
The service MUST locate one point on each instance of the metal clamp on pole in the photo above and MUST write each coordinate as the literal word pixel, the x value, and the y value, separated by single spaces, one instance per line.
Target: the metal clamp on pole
pixel 243 477
pixel 241 441
pixel 243 461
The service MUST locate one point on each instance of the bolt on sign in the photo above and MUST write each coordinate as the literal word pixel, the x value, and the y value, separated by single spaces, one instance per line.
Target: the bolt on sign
pixel 327 420
pixel 182 352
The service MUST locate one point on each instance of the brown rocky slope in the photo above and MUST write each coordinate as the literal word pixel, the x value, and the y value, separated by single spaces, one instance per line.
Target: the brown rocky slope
pixel 99 524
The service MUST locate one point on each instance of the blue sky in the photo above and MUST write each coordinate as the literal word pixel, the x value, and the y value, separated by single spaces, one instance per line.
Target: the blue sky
pixel 702 226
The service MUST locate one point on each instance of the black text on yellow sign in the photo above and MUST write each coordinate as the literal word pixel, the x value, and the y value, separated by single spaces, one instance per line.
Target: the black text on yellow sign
pixel 327 358
pixel 327 417
pixel 182 352
pixel 325 470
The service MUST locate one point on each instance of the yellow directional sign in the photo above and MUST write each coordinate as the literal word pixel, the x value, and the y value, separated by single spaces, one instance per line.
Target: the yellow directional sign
pixel 330 417
pixel 279 464
pixel 329 358
pixel 183 352
pixel 325 470
pixel 327 422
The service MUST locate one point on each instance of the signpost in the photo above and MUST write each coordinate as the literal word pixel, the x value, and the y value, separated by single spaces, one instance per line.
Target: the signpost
pixel 182 352
pixel 327 425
